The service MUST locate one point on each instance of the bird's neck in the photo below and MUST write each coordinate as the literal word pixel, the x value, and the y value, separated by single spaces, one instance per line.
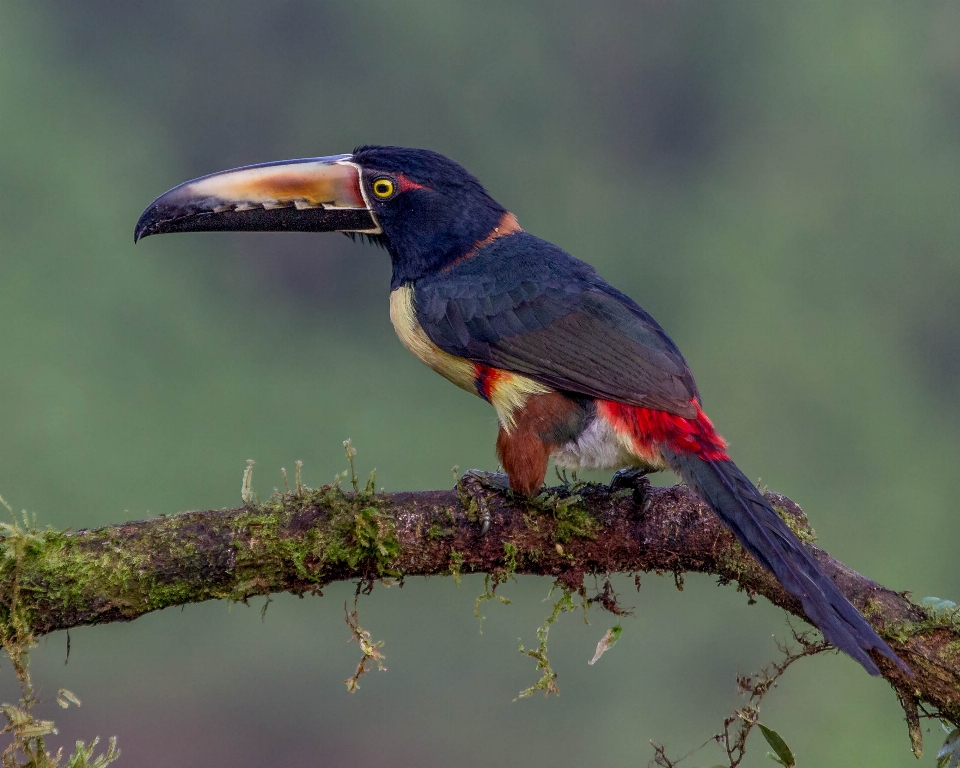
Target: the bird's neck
pixel 418 256
pixel 508 225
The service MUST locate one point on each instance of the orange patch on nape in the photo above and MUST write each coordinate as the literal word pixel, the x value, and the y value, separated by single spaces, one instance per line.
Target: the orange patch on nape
pixel 543 424
pixel 650 428
pixel 508 225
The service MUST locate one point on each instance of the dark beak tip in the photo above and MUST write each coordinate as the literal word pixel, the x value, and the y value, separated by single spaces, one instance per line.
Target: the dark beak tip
pixel 144 223
pixel 141 231
pixel 150 222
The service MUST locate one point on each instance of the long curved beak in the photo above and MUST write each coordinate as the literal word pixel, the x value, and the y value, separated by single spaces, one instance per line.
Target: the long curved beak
pixel 320 194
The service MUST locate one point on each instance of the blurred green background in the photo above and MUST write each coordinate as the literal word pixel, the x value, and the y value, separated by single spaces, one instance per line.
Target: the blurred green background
pixel 777 184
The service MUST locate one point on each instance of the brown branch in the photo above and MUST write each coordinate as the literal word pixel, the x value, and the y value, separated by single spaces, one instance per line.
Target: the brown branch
pixel 303 540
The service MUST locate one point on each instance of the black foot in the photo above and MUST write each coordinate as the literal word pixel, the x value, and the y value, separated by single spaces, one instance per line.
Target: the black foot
pixel 633 479
pixel 475 482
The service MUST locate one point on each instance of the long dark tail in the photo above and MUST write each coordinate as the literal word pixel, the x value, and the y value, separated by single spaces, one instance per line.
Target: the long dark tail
pixel 764 535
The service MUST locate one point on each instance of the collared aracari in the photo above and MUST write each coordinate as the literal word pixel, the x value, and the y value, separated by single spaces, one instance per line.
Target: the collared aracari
pixel 575 369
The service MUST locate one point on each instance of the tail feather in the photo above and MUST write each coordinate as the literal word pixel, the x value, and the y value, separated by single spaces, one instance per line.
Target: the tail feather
pixel 762 532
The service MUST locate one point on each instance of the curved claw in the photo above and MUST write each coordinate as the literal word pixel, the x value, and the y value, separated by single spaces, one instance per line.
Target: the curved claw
pixel 475 482
pixel 635 479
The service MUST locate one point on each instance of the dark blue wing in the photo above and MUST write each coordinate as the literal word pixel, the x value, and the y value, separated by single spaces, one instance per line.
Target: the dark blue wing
pixel 524 305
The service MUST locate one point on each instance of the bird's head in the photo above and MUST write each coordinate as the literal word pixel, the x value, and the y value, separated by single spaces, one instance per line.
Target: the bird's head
pixel 425 209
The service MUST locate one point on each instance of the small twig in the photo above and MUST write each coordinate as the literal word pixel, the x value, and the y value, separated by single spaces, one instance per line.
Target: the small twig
pixel 737 727
pixel 370 650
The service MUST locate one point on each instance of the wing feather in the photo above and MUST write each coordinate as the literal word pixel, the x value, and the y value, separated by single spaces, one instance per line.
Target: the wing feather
pixel 524 305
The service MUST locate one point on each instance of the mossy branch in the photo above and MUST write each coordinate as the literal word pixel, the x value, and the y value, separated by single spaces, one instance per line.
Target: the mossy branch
pixel 304 539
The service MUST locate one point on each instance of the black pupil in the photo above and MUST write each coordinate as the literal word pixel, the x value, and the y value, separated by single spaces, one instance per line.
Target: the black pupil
pixel 383 187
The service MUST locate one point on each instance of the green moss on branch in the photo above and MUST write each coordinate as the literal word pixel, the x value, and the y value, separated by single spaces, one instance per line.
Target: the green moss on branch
pixel 303 539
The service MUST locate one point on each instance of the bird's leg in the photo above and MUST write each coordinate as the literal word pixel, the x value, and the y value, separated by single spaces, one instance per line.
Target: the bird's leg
pixel 475 483
pixel 635 479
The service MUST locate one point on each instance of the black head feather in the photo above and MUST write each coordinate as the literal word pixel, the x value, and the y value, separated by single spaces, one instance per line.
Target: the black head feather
pixel 436 222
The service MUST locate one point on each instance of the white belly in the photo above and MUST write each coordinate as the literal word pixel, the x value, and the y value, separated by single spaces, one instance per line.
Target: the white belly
pixel 600 447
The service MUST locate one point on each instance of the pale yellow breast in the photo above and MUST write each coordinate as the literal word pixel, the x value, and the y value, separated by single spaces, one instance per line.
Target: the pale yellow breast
pixel 456 369
pixel 510 391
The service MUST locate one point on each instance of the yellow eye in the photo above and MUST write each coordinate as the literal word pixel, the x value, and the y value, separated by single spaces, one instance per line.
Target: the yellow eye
pixel 383 188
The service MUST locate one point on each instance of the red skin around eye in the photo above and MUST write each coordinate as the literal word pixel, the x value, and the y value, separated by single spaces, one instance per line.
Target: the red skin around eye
pixel 404 184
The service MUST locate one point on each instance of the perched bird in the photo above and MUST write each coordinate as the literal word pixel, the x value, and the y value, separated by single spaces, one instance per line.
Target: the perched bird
pixel 575 369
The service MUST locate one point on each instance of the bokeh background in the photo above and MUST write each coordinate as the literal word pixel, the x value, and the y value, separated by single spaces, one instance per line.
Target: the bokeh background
pixel 778 184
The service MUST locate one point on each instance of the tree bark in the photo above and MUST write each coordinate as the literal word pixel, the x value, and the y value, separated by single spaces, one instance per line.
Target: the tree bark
pixel 305 539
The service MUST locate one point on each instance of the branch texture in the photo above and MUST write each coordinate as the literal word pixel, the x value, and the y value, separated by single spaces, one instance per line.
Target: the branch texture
pixel 300 541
